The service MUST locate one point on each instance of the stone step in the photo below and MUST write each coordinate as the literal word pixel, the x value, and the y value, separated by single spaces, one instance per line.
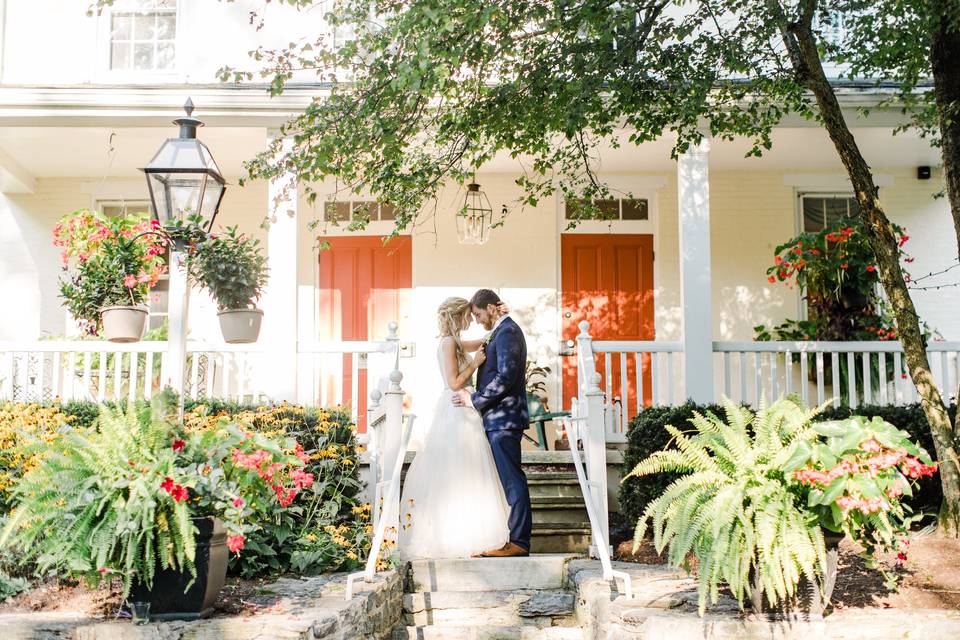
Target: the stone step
pixel 560 538
pixel 484 608
pixel 539 571
pixel 521 632
pixel 554 484
pixel 569 510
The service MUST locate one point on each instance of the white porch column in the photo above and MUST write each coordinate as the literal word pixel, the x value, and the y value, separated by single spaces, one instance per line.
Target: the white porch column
pixel 693 186
pixel 279 301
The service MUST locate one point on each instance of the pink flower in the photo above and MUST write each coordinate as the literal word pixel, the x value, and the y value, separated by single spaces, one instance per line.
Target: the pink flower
pixel 298 451
pixel 235 543
pixel 871 446
pixel 130 282
pixel 301 479
pixel 238 502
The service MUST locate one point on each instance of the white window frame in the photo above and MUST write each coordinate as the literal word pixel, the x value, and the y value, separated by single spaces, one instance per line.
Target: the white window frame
pixel 103 72
pixel 335 229
pixel 813 194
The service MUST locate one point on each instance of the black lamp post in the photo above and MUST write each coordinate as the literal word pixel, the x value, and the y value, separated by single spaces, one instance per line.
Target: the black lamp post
pixel 183 177
pixel 183 180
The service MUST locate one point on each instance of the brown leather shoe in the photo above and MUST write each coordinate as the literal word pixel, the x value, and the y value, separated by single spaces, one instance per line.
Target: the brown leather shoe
pixel 509 550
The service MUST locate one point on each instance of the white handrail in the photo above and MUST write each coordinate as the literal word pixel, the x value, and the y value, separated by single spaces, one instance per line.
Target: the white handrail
pixel 393 495
pixel 572 429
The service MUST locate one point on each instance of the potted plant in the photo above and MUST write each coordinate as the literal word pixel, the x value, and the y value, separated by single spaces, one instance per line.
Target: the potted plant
pixel 232 267
pixel 137 497
pixel 110 265
pixel 767 497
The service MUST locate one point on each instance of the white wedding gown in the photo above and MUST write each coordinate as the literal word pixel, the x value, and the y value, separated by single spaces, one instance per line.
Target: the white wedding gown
pixel 453 505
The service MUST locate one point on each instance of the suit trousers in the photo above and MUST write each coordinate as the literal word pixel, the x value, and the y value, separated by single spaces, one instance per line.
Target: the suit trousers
pixel 506 455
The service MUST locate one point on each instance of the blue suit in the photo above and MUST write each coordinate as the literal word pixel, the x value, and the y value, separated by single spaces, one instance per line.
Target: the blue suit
pixel 501 398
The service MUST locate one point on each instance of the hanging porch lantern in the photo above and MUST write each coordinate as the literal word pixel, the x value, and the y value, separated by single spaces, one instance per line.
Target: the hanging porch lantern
pixel 183 177
pixel 476 217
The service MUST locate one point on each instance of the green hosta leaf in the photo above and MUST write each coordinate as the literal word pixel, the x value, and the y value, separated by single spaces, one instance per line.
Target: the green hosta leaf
pixel 834 490
pixel 832 428
pixel 799 455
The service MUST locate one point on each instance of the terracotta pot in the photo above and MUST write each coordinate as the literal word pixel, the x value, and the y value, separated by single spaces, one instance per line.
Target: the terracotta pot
pixel 240 326
pixel 123 324
pixel 169 597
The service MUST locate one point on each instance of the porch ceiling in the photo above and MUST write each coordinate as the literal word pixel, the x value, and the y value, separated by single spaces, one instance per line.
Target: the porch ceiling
pixel 47 152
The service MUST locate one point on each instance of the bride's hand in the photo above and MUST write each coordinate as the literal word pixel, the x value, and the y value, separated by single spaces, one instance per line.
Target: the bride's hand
pixel 479 357
pixel 503 308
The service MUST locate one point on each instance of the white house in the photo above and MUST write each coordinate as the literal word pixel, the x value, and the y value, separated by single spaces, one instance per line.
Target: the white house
pixel 86 100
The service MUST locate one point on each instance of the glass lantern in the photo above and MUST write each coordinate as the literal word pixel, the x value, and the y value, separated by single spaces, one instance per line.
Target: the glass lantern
pixel 183 177
pixel 476 217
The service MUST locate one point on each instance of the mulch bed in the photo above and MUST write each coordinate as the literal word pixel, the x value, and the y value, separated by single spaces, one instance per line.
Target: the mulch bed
pixel 104 602
pixel 929 579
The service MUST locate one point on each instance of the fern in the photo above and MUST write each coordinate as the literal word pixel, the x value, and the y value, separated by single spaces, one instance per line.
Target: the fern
pixel 733 510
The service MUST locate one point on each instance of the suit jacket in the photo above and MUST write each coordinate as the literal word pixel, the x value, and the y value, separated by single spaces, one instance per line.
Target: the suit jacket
pixel 501 396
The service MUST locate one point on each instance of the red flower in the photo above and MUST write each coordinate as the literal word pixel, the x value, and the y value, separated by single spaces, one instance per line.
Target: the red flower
pixel 301 479
pixel 901 558
pixel 179 444
pixel 777 260
pixel 235 543
pixel 179 493
pixel 871 268
pixel 104 570
pixel 167 484
pixel 238 502
pixel 304 458
pixel 771 279
pixel 844 266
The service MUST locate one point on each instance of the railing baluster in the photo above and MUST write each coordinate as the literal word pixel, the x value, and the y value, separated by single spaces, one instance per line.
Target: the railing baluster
pixel 774 383
pixel 117 374
pixel 743 378
pixel 41 376
pixel 945 372
pixel 211 363
pixel 608 375
pixel 835 372
pixel 865 359
pixel 624 393
pixel 670 380
pixel 241 359
pixel 804 378
pixel 23 374
pixel 882 380
pixel 148 376
pixel 726 374
pixel 225 375
pixel 6 376
pixel 85 374
pixel 71 376
pixel 788 371
pixel 655 378
pixel 55 375
pixel 194 374
pixel 897 379
pixel 758 376
pixel 638 363
pixel 134 367
pixel 355 387
pixel 851 380
pixel 821 395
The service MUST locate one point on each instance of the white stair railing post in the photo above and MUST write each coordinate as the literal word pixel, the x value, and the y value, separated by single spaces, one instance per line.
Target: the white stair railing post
pixel 392 436
pixel 586 365
pixel 595 450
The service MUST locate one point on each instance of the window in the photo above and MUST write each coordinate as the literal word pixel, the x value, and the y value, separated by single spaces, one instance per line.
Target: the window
pixel 612 209
pixel 143 35
pixel 365 210
pixel 159 300
pixel 820 210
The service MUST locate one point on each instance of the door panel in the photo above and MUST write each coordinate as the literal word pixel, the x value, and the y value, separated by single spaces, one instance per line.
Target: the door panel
pixel 607 280
pixel 363 285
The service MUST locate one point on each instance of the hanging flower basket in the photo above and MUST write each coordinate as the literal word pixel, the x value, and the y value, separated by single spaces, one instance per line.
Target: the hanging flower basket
pixel 240 326
pixel 123 324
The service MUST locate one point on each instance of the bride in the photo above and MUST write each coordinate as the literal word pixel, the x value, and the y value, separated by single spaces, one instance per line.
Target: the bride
pixel 453 504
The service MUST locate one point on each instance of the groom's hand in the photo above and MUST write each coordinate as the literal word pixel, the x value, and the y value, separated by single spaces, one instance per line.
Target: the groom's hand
pixel 462 399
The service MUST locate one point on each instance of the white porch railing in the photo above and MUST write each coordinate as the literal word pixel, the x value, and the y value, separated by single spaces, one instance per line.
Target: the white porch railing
pixel 327 373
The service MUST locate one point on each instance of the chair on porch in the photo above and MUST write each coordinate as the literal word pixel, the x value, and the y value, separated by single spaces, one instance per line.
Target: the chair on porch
pixel 539 416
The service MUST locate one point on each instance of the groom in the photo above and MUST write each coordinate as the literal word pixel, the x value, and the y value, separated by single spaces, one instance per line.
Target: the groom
pixel 501 398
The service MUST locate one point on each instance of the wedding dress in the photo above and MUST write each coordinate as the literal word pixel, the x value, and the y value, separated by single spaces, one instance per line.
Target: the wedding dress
pixel 452 505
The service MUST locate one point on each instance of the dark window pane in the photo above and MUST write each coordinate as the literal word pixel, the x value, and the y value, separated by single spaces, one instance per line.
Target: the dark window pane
pixel 336 211
pixel 854 208
pixel 387 211
pixel 836 208
pixel 575 208
pixel 608 209
pixel 635 209
pixel 365 211
pixel 813 214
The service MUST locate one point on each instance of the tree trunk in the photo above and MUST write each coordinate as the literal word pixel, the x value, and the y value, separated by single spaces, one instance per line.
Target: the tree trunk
pixel 805 59
pixel 944 53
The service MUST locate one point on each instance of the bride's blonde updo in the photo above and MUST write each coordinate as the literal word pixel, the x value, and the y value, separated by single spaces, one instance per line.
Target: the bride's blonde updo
pixel 450 320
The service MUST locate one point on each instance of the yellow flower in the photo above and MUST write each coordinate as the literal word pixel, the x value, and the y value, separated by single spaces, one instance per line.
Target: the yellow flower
pixel 312 537
pixel 352 555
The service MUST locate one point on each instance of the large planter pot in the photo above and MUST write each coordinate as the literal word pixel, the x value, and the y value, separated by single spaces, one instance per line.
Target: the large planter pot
pixel 811 599
pixel 123 324
pixel 168 598
pixel 240 326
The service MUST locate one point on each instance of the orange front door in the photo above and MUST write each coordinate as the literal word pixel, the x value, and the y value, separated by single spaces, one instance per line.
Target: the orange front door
pixel 607 280
pixel 364 285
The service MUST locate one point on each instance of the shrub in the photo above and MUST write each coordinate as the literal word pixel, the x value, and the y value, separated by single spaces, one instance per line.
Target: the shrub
pixel 647 433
